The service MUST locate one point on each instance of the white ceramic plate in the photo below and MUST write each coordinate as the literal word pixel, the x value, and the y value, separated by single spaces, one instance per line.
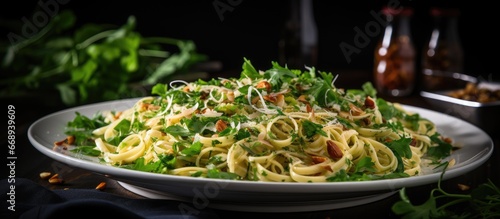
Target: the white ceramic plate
pixel 250 195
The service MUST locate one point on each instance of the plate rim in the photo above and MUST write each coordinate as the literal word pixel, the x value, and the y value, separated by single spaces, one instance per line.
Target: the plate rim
pixel 236 185
pixel 268 207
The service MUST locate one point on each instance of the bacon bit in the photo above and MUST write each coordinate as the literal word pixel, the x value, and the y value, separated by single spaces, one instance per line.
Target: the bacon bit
pixel 59 143
pixel 220 125
pixel 318 159
pixel 203 95
pixel 328 167
pixel 101 186
pixel 299 88
pixel 413 142
pixel 356 111
pixel 366 121
pixel 344 128
pixel 308 108
pixel 264 84
pixel 333 150
pixel 463 187
pixel 270 98
pixel 45 175
pixel 369 103
pixel 255 100
pixel 148 106
pixel 117 115
pixel 302 99
pixel 447 140
pixel 276 99
pixel 143 106
pixel 69 140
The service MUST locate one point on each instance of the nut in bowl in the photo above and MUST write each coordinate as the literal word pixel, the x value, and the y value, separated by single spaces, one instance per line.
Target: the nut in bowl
pixel 472 100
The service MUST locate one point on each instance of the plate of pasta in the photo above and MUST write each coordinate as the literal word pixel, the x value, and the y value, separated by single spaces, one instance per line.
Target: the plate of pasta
pixel 277 138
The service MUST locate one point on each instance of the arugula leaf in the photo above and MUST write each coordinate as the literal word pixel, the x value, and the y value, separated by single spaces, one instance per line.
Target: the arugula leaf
pixel 81 128
pixel 87 150
pixel 365 164
pixel 311 129
pixel 160 90
pixel 217 174
pixel 194 149
pixel 442 150
pixel 369 89
pixel 278 75
pixel 177 130
pixel 165 161
pixel 249 71
pixel 242 134
pixel 386 109
pixel 123 127
pixel 412 120
pixel 401 146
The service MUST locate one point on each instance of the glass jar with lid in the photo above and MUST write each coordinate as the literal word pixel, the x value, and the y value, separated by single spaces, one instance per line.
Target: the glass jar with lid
pixel 443 52
pixel 394 64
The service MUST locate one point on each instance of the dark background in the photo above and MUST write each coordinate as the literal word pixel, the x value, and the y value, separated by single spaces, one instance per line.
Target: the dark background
pixel 251 29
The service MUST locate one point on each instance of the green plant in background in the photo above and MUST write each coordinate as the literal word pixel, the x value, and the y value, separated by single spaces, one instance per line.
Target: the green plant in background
pixel 92 63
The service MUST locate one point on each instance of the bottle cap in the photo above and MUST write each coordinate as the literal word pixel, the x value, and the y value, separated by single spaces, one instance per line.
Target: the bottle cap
pixel 448 12
pixel 404 11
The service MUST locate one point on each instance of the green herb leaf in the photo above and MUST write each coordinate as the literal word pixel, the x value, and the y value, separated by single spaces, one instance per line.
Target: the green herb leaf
pixel 87 150
pixel 249 70
pixel 311 128
pixel 194 149
pixel 177 130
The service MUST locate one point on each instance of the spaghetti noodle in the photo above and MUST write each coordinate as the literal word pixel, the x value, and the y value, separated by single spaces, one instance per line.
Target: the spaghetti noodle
pixel 279 125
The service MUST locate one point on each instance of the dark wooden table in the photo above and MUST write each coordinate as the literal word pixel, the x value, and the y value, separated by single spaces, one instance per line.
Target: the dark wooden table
pixel 30 163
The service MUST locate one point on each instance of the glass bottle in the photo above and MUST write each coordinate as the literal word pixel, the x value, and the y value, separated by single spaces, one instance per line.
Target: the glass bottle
pixel 299 37
pixel 394 64
pixel 443 53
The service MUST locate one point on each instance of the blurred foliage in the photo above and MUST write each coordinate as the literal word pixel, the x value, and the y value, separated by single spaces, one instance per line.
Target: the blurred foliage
pixel 91 63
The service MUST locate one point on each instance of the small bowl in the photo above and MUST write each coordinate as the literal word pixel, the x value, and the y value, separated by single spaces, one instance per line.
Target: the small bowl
pixel 434 80
pixel 484 115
